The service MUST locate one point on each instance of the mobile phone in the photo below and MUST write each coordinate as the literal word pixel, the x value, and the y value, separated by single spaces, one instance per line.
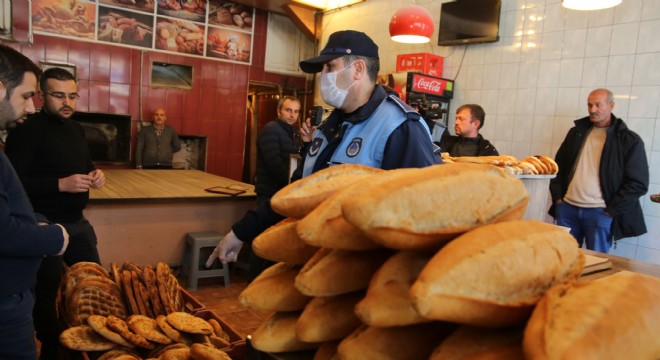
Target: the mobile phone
pixel 316 114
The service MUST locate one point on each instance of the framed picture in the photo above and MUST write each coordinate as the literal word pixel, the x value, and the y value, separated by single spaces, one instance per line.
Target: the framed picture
pixel 45 65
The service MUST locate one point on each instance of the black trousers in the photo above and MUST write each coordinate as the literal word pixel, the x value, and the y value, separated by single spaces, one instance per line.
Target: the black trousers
pixel 82 247
pixel 16 329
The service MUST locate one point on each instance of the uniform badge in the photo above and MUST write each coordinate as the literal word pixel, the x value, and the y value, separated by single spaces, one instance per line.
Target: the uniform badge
pixel 316 146
pixel 354 147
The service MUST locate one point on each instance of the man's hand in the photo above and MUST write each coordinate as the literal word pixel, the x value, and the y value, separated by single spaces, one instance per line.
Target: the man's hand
pixel 75 183
pixel 98 178
pixel 227 250
pixel 306 130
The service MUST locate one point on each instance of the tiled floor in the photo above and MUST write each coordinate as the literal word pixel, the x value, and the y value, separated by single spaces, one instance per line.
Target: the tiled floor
pixel 224 302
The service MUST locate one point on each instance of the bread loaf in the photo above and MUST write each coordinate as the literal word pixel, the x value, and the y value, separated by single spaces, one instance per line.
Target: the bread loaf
pixel 274 290
pixel 278 334
pixel 394 343
pixel 327 351
pixel 388 301
pixel 333 272
pixel 495 275
pixel 616 317
pixel 300 197
pixel 326 227
pixel 422 212
pixel 469 342
pixel 281 243
pixel 329 318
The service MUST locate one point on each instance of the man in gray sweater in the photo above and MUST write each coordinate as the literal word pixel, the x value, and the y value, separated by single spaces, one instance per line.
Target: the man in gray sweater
pixel 156 144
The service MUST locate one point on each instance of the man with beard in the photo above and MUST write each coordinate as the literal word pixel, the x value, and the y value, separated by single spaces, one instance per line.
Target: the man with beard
pixel 23 244
pixel 467 141
pixel 52 159
pixel 602 174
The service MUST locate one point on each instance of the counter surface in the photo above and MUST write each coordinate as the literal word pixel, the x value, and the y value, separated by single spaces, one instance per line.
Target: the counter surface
pixel 123 185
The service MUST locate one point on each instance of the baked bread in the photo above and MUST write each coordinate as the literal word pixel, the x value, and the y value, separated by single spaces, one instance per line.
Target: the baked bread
pixel 168 289
pixel 168 330
pixel 328 318
pixel 325 226
pixel 333 272
pixel 300 197
pixel 280 242
pixel 98 323
pixel 94 296
pixel 176 354
pixel 274 290
pixel 119 354
pixel 615 317
pixel 416 212
pixel 89 265
pixel 148 328
pixel 120 326
pixel 84 338
pixel 327 351
pixel 469 342
pixel 203 352
pixel 552 166
pixel 403 342
pixel 388 301
pixel 152 289
pixel 129 294
pixel 75 276
pixel 135 283
pixel 493 276
pixel 278 334
pixel 189 323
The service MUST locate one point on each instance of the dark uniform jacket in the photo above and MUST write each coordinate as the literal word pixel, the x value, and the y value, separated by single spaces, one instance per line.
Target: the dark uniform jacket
pixel 624 174
pixel 276 143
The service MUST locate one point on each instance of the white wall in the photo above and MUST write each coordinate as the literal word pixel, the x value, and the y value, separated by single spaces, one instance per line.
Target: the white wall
pixel 534 82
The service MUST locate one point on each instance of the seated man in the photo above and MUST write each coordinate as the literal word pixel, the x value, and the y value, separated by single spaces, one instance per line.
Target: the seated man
pixel 467 141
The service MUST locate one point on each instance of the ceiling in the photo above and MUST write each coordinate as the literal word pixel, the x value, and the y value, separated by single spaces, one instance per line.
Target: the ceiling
pixel 276 6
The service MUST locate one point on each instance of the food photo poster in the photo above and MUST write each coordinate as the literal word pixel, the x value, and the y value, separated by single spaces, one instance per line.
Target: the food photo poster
pixel 213 29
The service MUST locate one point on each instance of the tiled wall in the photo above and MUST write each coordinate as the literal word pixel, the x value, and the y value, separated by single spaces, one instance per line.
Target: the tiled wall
pixel 109 82
pixel 534 82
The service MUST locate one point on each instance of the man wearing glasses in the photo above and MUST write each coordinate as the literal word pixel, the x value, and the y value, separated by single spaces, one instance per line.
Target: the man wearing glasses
pixel 52 159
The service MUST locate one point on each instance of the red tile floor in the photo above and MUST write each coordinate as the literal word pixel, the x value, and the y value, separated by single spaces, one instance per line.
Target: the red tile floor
pixel 224 302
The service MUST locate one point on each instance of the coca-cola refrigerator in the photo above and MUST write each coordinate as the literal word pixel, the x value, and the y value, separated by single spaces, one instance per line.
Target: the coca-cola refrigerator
pixel 430 95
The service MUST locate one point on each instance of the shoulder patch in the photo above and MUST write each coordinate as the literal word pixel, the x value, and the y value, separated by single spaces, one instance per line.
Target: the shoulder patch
pixel 410 113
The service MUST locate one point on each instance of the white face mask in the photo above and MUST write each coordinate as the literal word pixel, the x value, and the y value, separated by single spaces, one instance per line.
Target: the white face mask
pixel 333 95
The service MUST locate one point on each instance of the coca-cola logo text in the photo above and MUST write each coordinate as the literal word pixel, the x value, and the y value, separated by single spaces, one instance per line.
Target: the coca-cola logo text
pixel 430 85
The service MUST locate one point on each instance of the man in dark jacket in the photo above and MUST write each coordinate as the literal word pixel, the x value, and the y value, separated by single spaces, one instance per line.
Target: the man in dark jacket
pixel 277 141
pixel 467 141
pixel 602 174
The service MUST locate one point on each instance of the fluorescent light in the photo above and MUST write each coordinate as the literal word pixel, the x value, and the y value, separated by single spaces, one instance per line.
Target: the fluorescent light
pixel 328 4
pixel 590 4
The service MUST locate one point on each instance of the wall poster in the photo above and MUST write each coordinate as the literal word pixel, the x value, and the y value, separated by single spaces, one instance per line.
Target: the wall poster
pixel 213 29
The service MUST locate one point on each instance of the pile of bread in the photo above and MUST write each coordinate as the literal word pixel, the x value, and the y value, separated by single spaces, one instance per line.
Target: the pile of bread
pixel 133 313
pixel 435 263
pixel 530 165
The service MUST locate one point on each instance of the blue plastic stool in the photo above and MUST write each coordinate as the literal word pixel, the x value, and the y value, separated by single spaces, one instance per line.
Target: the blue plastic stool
pixel 195 267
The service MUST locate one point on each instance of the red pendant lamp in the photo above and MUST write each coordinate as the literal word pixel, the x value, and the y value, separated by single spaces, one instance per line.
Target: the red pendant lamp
pixel 411 24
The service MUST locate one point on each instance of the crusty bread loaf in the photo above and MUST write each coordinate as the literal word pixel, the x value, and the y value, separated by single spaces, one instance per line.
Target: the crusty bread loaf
pixel 281 243
pixel 394 343
pixel 300 197
pixel 274 290
pixel 423 212
pixel 333 272
pixel 329 318
pixel 326 227
pixel 327 351
pixel 616 317
pixel 278 334
pixel 495 275
pixel 388 301
pixel 470 342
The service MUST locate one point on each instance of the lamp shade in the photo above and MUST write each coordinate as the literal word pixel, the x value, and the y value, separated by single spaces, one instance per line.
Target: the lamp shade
pixel 589 4
pixel 411 24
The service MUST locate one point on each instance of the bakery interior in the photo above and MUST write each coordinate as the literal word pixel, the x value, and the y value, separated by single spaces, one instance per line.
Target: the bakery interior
pixel 532 81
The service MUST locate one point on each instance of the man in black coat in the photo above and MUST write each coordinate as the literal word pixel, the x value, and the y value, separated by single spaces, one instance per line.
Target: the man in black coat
pixel 467 141
pixel 603 172
pixel 277 141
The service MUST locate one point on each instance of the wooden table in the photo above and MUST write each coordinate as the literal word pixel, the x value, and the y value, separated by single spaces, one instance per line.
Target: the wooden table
pixel 143 215
pixel 621 264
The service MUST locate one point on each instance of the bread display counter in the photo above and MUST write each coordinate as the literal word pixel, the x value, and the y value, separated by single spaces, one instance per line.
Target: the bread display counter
pixel 144 215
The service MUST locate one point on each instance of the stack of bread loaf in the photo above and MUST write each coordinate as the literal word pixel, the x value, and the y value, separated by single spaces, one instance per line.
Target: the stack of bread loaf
pixel 530 165
pixel 134 313
pixel 435 263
